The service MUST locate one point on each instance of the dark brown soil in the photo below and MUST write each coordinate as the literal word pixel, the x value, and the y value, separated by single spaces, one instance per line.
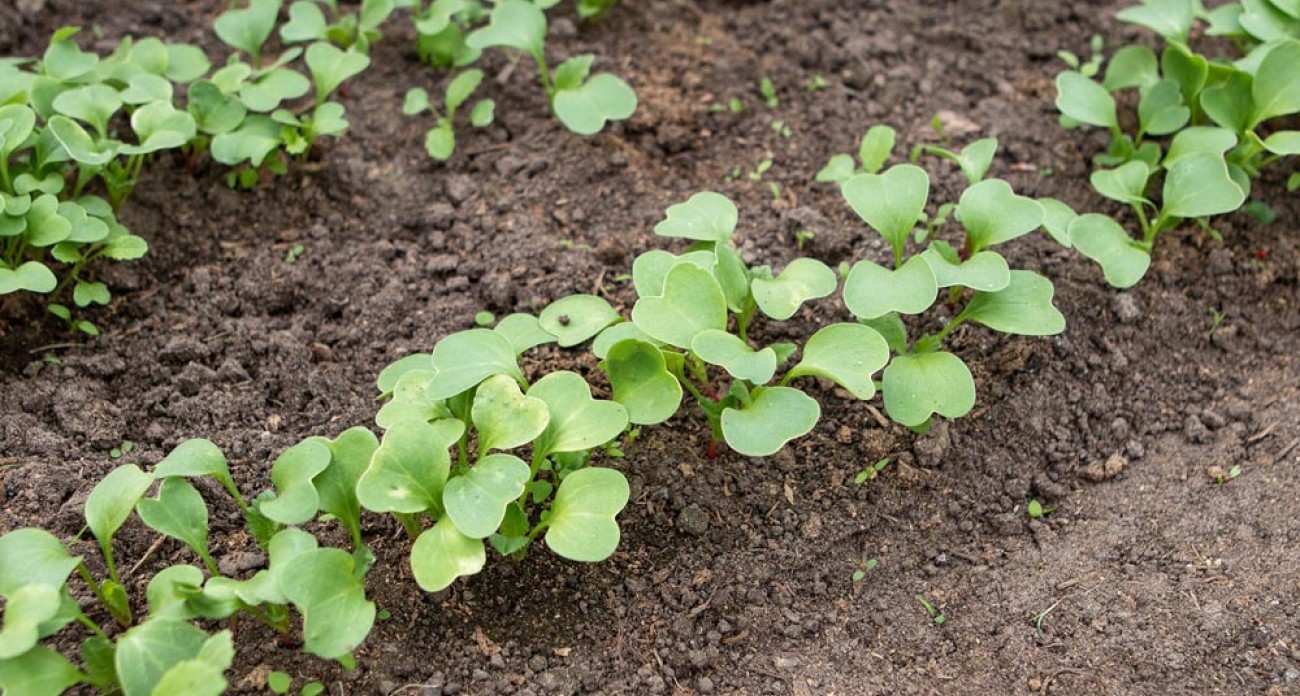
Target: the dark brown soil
pixel 734 575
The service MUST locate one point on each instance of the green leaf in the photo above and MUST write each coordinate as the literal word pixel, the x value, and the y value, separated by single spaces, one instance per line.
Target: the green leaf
pixel 79 144
pixel 1189 70
pixel 641 382
pixel 460 89
pixel 1084 101
pixel 577 421
pixel 44 224
pixel 279 682
pixel 705 217
pixel 159 126
pixel 574 319
pixel 257 137
pixel 992 214
pixel 1024 307
pixel 95 104
pixel 411 401
pixel 1123 260
pixel 38 672
pixel 1057 217
pixel 476 500
pixel 1230 103
pixel 440 141
pixel 603 98
pixel 1161 110
pixel 1132 66
pixel 581 526
pixel 247 29
pixel 1276 88
pixel 733 277
pixel 838 169
pixel 872 291
pixel 514 23
pixel 276 86
pixel 1283 143
pixel 505 417
pixel 692 303
pixel 111 501
pixel 145 653
pixel 986 270
pixel 196 677
pixel 16 123
pixel 573 72
pixel 388 377
pixel 306 23
pixel 775 416
pixel 483 113
pixel 921 384
pixel 84 294
pixel 803 279
pixel 735 356
pixel 146 89
pixel 1127 184
pixel 976 158
pixel 465 358
pixel 292 474
pixel 170 590
pixel 186 63
pixel 331 67
pixel 409 469
pixel 416 101
pixel 32 276
pixel 877 145
pixel 194 458
pixel 1264 21
pixel 25 610
pixel 125 248
pixel 178 512
pixel 441 554
pixel 524 331
pixel 31 556
pixel 1196 139
pixel 616 333
pixel 63 60
pixel 650 270
pixel 373 13
pixel 1171 19
pixel 1198 185
pixel 336 616
pixel 214 111
pixel 846 354
pixel 350 455
pixel 891 203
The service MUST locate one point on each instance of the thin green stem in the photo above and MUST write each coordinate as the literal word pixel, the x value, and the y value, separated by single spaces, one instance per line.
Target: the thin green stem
pixel 950 327
pixel 89 579
pixel 277 626
pixel 547 83
pixel 410 522
pixel 94 627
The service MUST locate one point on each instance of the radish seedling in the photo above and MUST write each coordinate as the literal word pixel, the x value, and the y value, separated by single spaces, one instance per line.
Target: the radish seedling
pixel 469 396
pixel 1220 118
pixel 307 22
pixel 440 141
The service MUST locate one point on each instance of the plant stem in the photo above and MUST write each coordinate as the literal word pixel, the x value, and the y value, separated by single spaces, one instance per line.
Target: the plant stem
pixel 410 522
pixel 547 83
pixel 95 589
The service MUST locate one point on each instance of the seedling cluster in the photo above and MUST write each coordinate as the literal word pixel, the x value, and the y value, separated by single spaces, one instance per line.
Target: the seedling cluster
pixel 1205 126
pixel 455 33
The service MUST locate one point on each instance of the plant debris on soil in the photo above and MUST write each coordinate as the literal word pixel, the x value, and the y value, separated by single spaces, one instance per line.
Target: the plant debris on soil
pixel 1150 575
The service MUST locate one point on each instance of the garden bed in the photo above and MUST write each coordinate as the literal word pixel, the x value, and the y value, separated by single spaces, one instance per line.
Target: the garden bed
pixel 734 575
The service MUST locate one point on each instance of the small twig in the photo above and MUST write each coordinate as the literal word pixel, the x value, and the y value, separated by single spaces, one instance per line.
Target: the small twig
pixel 1286 450
pixel 53 346
pixel 489 148
pixel 1262 434
pixel 145 557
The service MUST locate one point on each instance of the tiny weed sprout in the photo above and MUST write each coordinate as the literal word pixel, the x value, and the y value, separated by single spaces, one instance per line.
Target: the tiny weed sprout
pixel 163 651
pixel 440 141
pixel 863 567
pixel 1036 510
pixel 871 471
pixel 453 34
pixel 768 91
pixel 935 615
pixel 1205 127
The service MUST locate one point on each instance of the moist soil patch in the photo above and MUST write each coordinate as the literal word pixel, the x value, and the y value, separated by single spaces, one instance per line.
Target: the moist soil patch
pixel 734 575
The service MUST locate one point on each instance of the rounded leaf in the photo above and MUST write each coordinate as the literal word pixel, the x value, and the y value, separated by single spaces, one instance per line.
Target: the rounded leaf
pixel 1123 260
pixel 1083 100
pixel 705 217
pixel 803 279
pixel 641 382
pixel 846 354
pixel 601 99
pixel 872 291
pixel 441 554
pixel 505 417
pixel 581 526
pixel 409 469
pixel 892 202
pixel 735 356
pixel 1023 307
pixel 692 303
pixel 577 318
pixel 476 500
pixel 992 214
pixel 465 358
pixel 919 385
pixel 776 416
pixel 578 422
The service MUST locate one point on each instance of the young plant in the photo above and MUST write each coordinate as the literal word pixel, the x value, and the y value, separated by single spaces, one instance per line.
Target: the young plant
pixel 440 141
pixel 922 379
pixel 307 22
pixel 452 34
pixel 469 396
pixel 244 111
pixel 1225 122
pixel 166 653
pixel 75 132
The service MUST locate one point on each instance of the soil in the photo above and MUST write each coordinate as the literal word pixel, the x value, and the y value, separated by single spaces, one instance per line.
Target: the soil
pixel 734 576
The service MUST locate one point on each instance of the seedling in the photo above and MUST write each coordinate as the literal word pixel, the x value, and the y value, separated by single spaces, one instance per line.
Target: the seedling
pixel 1216 320
pixel 816 83
pixel 923 380
pixel 1221 477
pixel 768 91
pixel 485 318
pixel 1220 117
pixel 440 141
pixel 470 390
pixel 871 471
pixel 122 450
pixel 307 22
pixel 593 9
pixel 935 615
pixel 583 102
pixel 293 253
pixel 733 106
pixel 282 683
pixel 1036 510
pixel 876 147
pixel 863 567
pixel 1093 65
pixel 802 237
